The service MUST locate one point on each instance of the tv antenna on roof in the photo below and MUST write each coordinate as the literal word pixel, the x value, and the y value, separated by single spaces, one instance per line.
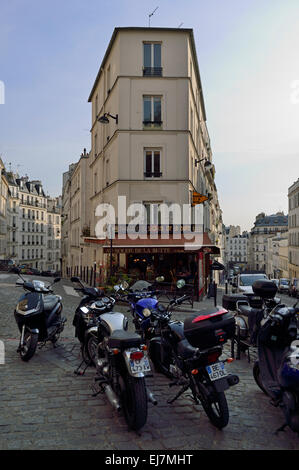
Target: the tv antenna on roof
pixel 149 16
pixel 181 24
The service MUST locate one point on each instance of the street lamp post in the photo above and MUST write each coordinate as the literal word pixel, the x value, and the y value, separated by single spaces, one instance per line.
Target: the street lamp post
pixel 111 247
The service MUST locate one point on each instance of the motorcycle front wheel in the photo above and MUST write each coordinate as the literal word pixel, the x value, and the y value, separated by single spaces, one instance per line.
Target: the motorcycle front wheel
pixel 29 346
pixel 134 401
pixel 215 406
pixel 257 377
pixel 92 348
pixel 89 350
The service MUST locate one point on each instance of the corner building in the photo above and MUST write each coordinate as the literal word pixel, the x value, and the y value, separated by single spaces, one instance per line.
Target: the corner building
pixel 149 139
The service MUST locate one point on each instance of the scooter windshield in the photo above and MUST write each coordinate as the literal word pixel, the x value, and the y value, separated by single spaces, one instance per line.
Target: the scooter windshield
pixel 30 303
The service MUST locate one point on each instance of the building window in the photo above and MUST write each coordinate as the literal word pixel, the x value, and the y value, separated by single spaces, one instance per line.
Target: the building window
pixel 153 214
pixel 96 107
pixel 95 146
pixel 107 172
pixel 152 60
pixel 152 116
pixel 108 80
pixel 95 178
pixel 152 163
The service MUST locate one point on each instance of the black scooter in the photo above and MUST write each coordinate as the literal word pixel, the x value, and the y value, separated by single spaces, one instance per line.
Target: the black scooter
pixel 93 303
pixel 38 316
pixel 276 371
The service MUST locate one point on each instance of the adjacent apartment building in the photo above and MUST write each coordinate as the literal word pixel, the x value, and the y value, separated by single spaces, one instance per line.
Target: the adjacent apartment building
pixel 149 142
pixel 265 227
pixel 236 248
pixel 4 212
pixel 293 195
pixel 30 222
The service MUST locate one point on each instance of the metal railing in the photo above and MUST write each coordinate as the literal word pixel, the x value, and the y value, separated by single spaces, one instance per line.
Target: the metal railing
pixel 152 71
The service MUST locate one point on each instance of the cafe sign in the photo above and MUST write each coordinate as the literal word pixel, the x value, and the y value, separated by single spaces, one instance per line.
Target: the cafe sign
pixel 198 198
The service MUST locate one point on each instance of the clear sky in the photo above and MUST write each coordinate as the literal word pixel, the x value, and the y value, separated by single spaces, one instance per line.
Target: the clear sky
pixel 248 52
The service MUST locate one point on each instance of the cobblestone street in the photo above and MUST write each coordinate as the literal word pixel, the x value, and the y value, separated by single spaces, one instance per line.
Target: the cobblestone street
pixel 43 405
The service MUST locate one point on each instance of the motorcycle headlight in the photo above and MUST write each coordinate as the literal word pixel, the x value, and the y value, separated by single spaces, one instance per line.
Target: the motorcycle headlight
pixel 146 312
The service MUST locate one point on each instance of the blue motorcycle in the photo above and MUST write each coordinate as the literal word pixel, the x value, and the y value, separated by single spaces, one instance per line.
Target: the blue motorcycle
pixel 144 302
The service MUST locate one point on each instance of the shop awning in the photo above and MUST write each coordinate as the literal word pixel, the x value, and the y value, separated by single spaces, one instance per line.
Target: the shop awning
pixel 156 245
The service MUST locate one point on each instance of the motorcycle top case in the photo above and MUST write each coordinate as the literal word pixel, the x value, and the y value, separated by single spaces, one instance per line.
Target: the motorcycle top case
pixel 210 329
pixel 265 289
pixel 229 301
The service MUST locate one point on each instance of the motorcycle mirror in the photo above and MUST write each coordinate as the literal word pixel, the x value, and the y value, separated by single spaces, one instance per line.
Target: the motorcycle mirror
pixel 160 278
pixel 180 283
pixel 124 285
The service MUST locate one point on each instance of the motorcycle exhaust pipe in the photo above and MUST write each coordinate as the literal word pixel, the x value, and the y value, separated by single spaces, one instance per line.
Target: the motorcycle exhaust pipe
pixel 150 397
pixel 112 397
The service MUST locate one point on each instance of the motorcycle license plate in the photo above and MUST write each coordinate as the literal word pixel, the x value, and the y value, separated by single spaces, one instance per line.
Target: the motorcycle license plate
pixel 216 371
pixel 142 365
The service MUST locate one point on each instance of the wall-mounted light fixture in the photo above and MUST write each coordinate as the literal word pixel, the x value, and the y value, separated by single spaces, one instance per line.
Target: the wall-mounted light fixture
pixel 208 165
pixel 104 119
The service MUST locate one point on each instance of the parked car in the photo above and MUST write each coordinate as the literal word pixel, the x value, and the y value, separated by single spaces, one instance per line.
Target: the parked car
pixel 35 271
pixel 51 273
pixel 242 283
pixel 25 269
pixel 283 286
pixel 47 273
pixel 294 288
pixel 6 264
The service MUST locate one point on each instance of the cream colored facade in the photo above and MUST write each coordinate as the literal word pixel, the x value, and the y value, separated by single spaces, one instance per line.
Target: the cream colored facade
pixel 283 258
pixel 4 212
pixel 117 161
pixel 265 227
pixel 53 251
pixel 293 195
pixel 154 152
pixel 79 212
pixel 65 219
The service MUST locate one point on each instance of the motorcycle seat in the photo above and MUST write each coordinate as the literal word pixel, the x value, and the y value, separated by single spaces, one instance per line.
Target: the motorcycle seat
pixel 247 310
pixel 185 350
pixel 50 302
pixel 121 339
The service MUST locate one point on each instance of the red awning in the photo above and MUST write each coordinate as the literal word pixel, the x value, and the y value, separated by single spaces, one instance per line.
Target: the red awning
pixel 156 245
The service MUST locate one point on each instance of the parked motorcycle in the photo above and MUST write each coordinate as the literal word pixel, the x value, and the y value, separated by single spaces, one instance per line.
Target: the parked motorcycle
pixel 249 310
pixel 38 316
pixel 188 352
pixel 142 298
pixel 276 371
pixel 121 369
pixel 93 304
